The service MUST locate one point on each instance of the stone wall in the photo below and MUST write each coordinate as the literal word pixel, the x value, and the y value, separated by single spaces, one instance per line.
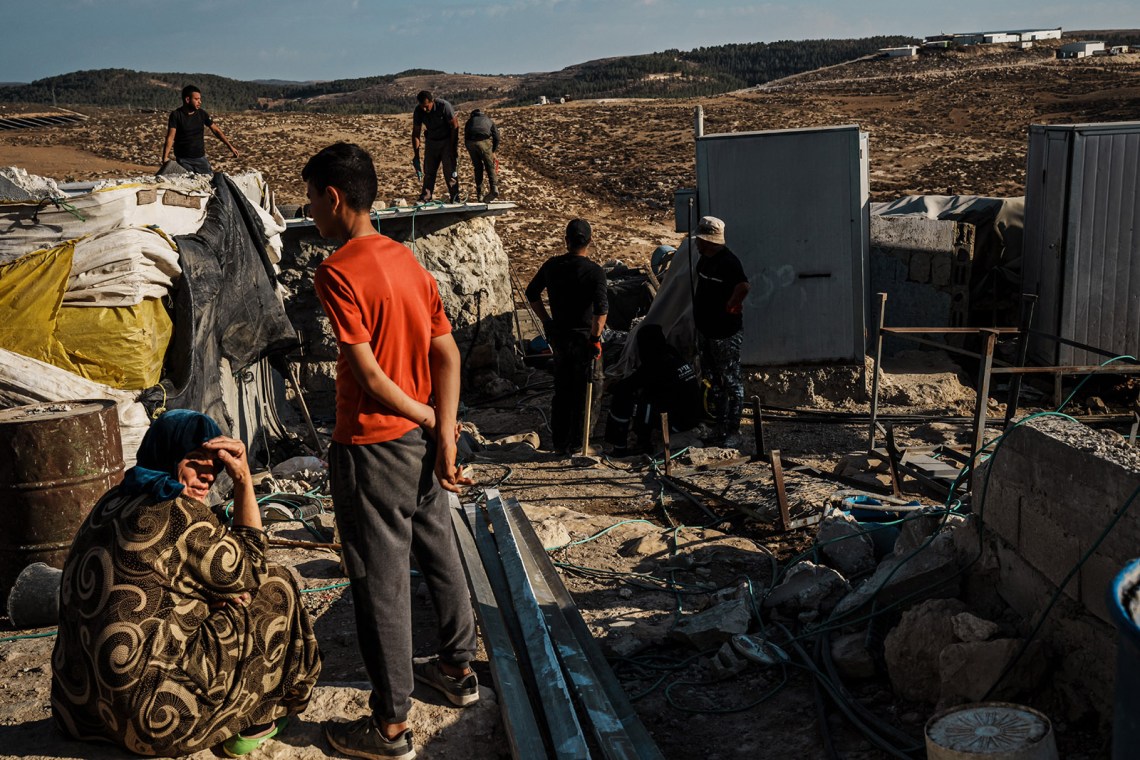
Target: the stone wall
pixel 923 265
pixel 1053 487
pixel 466 257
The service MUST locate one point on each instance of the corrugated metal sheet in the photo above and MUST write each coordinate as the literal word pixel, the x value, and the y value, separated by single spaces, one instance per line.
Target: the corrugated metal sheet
pixel 1082 249
pixel 795 206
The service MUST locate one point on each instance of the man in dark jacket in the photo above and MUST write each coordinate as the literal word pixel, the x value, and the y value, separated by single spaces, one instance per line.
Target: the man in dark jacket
pixel 481 137
pixel 662 382
pixel 576 288
pixel 436 118
pixel 717 307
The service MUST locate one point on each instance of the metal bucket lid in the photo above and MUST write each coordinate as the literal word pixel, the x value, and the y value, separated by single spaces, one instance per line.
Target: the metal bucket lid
pixel 989 728
pixel 52 410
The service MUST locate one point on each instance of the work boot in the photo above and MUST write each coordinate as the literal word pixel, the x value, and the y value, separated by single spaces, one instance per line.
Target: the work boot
pixel 489 197
pixel 425 196
pixel 478 191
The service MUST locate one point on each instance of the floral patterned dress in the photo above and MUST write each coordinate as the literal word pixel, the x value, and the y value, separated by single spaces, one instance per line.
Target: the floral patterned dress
pixel 150 656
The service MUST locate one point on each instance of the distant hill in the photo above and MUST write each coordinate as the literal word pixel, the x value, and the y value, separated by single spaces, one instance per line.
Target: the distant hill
pixel 672 73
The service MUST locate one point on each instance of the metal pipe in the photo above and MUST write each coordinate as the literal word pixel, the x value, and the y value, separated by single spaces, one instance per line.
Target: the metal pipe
pixel 699 121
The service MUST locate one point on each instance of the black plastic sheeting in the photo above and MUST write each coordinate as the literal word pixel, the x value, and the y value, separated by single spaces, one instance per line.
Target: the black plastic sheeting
pixel 225 306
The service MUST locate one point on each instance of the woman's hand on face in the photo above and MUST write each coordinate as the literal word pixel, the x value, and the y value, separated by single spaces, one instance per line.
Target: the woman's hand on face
pixel 231 453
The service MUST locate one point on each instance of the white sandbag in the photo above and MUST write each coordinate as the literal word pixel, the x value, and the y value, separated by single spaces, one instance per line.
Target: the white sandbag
pixel 28 381
pixel 177 206
pixel 121 268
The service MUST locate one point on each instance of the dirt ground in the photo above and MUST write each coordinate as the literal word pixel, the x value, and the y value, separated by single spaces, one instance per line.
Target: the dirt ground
pixel 954 123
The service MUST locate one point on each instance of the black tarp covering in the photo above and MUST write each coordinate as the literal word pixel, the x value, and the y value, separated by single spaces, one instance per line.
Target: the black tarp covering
pixel 225 306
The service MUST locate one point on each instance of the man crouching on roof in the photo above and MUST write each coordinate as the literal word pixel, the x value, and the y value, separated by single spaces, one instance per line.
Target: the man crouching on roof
pixel 393 454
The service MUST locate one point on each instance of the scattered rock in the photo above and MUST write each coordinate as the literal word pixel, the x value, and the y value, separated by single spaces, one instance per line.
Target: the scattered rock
pixel 726 662
pixel 970 628
pixel 715 625
pixel 808 587
pixel 650 545
pixel 844 543
pixel 967 671
pixel 912 648
pixel 702 456
pixel 551 532
pixel 849 652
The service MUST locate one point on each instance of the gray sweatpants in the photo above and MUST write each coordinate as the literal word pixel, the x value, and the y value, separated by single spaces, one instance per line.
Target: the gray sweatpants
pixel 389 504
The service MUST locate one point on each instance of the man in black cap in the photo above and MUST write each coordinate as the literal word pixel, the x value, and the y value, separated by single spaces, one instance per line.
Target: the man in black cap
pixel 576 288
pixel 717 307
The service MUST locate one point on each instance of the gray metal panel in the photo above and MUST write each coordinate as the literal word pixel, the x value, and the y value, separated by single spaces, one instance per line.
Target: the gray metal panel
pixel 796 212
pixel 1102 252
pixel 1082 252
pixel 1046 197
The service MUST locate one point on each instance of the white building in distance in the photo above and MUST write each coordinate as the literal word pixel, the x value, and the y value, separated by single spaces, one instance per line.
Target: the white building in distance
pixel 1079 49
pixel 991 38
pixel 906 51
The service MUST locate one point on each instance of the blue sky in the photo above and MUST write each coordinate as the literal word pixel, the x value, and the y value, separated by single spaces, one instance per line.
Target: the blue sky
pixel 330 39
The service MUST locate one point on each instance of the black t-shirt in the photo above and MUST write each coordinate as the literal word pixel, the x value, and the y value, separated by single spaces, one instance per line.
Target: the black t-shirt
pixel 576 287
pixel 190 131
pixel 717 276
pixel 437 122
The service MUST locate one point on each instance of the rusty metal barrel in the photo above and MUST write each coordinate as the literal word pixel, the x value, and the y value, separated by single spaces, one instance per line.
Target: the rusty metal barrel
pixel 56 460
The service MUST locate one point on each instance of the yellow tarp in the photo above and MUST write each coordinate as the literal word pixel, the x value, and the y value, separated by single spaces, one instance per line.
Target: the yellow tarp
pixel 120 346
pixel 123 346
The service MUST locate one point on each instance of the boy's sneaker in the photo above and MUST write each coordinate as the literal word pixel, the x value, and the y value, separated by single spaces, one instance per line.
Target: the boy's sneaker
pixel 362 738
pixel 459 691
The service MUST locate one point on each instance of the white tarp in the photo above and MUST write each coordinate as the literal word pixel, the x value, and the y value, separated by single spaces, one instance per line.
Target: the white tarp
pixel 121 268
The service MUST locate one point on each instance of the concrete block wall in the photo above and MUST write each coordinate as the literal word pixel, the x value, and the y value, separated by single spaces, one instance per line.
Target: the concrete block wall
pixel 923 265
pixel 1053 487
pixel 1050 491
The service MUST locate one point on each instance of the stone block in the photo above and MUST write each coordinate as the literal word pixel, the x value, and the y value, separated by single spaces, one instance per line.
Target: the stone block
pixel 1097 575
pixel 969 628
pixel 912 648
pixel 919 267
pixel 851 657
pixel 941 269
pixel 714 626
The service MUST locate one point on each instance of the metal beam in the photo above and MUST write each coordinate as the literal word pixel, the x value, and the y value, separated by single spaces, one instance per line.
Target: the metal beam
pixel 523 734
pixel 558 707
pixel 611 716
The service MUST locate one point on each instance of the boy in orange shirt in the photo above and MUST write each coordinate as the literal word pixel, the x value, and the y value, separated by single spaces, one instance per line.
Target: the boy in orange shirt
pixel 393 453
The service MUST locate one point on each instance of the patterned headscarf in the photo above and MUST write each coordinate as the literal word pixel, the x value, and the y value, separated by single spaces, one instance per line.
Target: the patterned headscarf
pixel 170 438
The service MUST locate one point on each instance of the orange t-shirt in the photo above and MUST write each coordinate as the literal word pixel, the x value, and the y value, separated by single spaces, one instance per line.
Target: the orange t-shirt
pixel 374 291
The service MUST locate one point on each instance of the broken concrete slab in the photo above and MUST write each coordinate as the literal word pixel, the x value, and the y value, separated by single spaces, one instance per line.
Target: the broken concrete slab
pixel 808 587
pixel 912 648
pixel 969 670
pixel 714 626
pixel 844 543
pixel 931 573
pixel 922 525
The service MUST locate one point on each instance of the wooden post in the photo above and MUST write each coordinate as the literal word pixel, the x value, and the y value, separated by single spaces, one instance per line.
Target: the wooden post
pixel 877 371
pixel 665 442
pixel 781 494
pixel 989 340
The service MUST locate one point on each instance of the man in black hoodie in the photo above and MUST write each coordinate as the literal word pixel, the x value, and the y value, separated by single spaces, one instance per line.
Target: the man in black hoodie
pixel 481 137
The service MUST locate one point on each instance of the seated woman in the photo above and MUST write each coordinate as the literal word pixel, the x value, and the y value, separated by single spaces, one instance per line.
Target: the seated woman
pixel 175 634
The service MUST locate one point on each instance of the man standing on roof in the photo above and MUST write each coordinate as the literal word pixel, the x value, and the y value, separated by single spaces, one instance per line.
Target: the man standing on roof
pixel 576 288
pixel 436 118
pixel 481 137
pixel 186 131
pixel 717 307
